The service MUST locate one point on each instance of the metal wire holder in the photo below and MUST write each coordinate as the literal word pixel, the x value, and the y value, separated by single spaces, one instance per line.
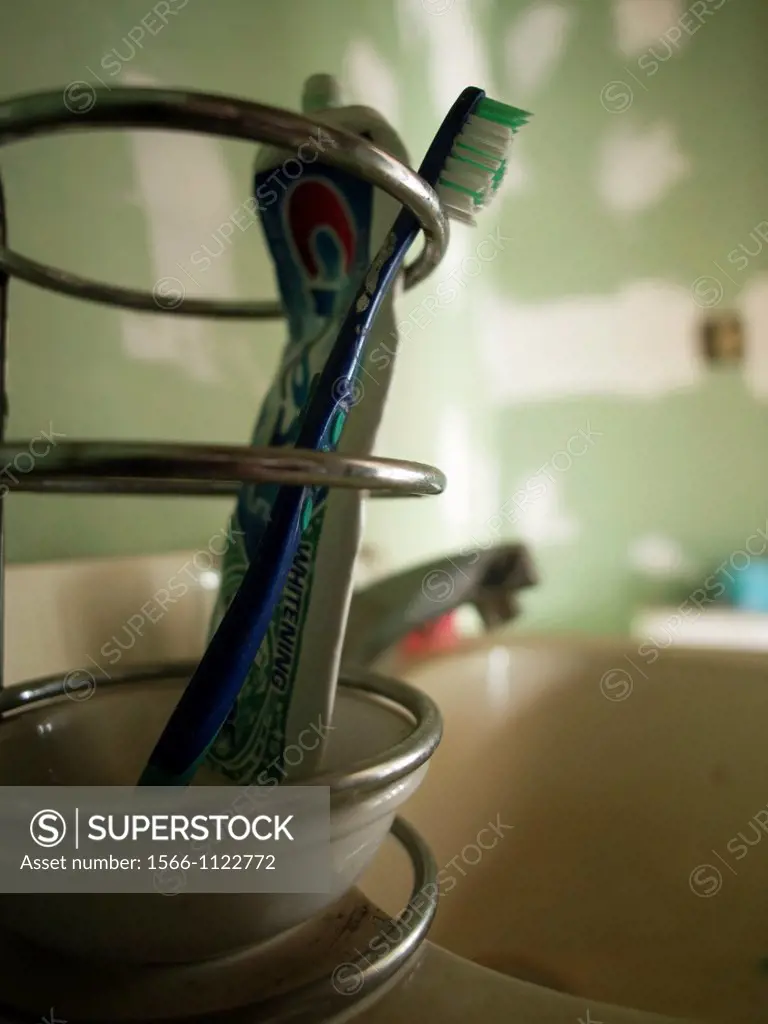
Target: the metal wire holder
pixel 106 467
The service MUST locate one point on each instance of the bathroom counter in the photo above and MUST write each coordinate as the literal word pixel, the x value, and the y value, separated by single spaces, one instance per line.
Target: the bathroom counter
pixel 724 628
pixel 446 989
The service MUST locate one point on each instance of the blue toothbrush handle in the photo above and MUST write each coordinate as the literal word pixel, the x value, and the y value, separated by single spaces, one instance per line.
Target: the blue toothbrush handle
pixel 203 707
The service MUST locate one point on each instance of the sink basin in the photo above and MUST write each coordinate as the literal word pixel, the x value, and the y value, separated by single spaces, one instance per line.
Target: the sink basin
pixel 599 811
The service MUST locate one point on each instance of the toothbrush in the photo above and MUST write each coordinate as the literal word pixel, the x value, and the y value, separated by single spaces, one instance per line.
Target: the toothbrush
pixel 465 163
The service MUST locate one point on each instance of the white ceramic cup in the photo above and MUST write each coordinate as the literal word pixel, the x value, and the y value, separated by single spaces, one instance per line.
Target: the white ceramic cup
pixel 383 734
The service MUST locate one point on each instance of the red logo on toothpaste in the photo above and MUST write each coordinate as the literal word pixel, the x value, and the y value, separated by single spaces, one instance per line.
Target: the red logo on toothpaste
pixel 323 232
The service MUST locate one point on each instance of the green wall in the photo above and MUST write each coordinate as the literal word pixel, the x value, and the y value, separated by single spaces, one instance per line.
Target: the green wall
pixel 683 461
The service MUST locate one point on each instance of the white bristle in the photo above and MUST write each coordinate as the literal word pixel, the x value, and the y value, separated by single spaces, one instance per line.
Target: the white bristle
pixel 490 146
pixel 458 205
pixel 493 163
pixel 489 138
pixel 491 127
pixel 494 138
pixel 483 129
pixel 468 175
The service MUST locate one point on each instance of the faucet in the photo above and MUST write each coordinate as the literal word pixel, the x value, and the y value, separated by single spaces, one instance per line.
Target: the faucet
pixel 385 612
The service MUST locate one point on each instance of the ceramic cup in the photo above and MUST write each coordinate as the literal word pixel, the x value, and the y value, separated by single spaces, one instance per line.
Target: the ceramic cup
pixel 383 734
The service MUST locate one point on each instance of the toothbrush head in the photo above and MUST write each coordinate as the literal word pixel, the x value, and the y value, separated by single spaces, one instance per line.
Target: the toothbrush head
pixel 478 161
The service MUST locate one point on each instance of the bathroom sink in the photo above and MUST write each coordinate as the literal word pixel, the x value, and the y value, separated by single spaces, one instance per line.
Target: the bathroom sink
pixel 599 812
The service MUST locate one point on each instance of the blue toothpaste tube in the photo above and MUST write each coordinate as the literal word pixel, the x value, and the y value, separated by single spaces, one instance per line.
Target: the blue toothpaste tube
pixel 322 227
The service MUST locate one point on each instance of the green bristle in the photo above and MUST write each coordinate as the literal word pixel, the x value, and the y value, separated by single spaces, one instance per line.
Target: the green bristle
pixel 503 113
pixel 498 175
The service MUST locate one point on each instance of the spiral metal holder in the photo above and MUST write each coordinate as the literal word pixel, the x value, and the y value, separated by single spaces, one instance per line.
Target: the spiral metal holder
pixel 101 467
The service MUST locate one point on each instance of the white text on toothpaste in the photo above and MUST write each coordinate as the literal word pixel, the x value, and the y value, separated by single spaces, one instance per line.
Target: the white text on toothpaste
pixel 293 598
pixel 172 827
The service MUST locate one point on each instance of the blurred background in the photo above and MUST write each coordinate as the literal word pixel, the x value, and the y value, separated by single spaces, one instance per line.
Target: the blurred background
pixel 597 385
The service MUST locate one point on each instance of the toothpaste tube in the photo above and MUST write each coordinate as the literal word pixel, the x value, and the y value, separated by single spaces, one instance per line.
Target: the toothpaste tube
pixel 323 227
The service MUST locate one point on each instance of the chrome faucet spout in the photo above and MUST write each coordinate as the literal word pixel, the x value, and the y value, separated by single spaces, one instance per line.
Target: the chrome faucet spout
pixel 385 612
